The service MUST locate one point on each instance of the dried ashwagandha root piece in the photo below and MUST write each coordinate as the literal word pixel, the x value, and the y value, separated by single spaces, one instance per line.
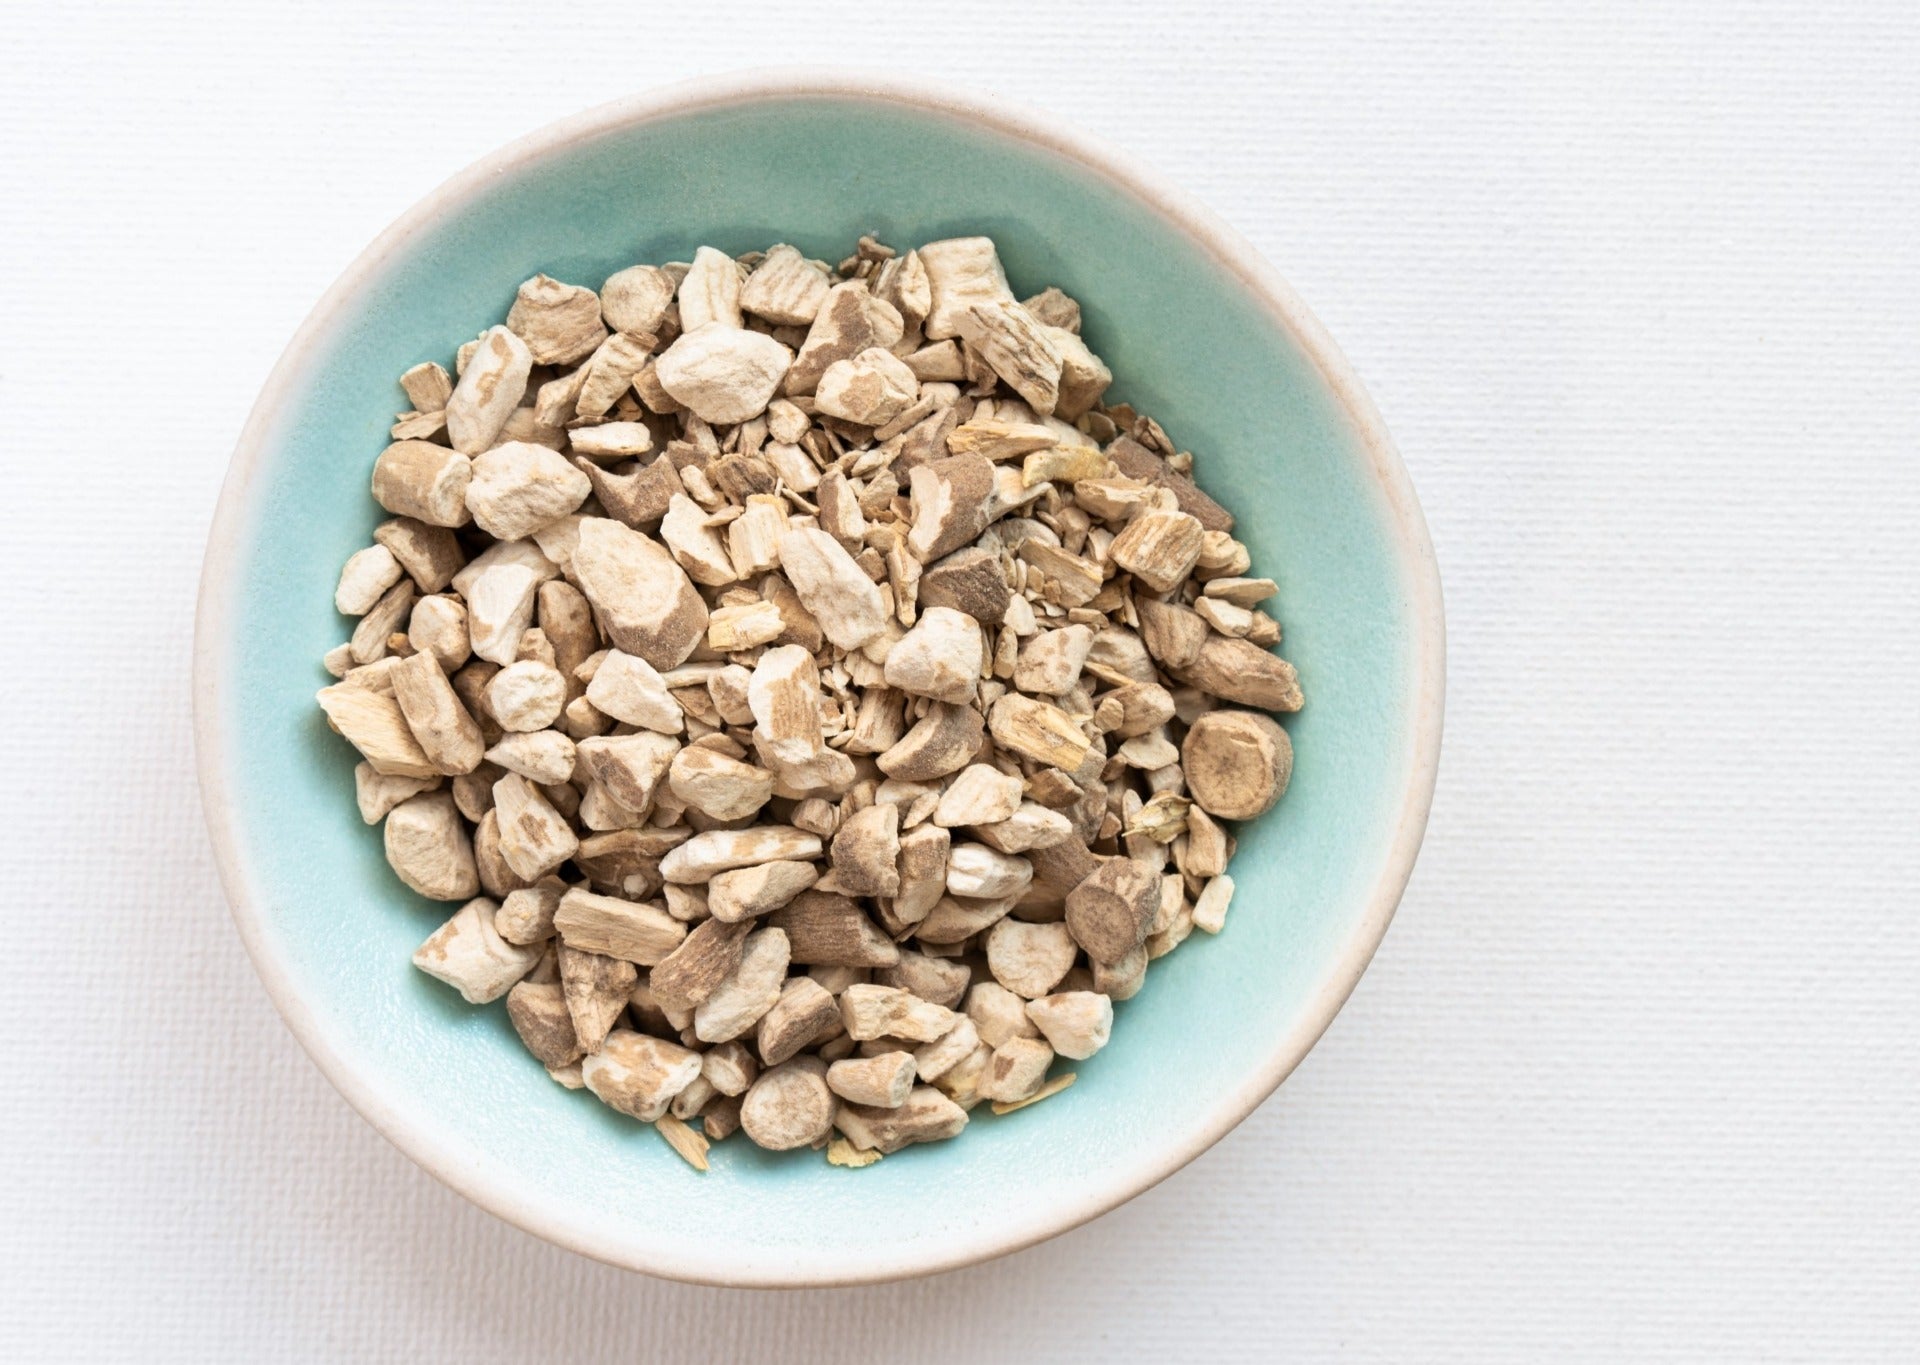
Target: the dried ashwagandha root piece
pixel 789 1106
pixel 881 1082
pixel 1237 763
pixel 638 1074
pixel 468 954
pixel 821 699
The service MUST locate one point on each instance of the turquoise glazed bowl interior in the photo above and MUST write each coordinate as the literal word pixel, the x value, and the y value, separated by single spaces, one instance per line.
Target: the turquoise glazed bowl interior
pixel 1198 332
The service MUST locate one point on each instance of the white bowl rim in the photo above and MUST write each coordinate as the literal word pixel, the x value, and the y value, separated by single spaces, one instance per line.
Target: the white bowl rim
pixel 1233 254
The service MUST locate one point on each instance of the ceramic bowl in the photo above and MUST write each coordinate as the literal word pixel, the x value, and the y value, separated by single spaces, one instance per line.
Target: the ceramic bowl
pixel 1199 331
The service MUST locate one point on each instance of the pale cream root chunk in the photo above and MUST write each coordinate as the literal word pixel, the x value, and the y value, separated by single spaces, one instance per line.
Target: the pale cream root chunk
pixel 468 954
pixel 500 588
pixel 785 288
pixel 430 554
pixel 644 600
pixel 1051 661
pixel 438 626
pixel 840 596
pixel 526 696
pixel 638 1074
pixel 722 373
pixel 784 695
pixel 373 723
pixel 629 767
pixel 560 323
pixel 428 387
pixel 517 488
pixel 1038 731
pixel 722 850
pixel 889 1012
pixel 1210 907
pixel 748 992
pixel 923 872
pixel 636 299
pixel 428 848
pixel 613 927
pixel 424 481
pixel 376 794
pixel 804 1014
pixel 630 689
pixel 365 579
pixel 1076 1024
pixel 939 658
pixel 925 1116
pixel 1016 1071
pixel 980 795
pixel 718 786
pixel 881 1082
pixel 534 837
pixel 710 291
pixel 526 916
pixel 998 1014
pixel 729 1068
pixel 976 871
pixel 1159 548
pixel 1030 827
pixel 870 389
pixel 449 736
pixel 934 1060
pixel 1019 350
pixel 961 271
pixel 490 388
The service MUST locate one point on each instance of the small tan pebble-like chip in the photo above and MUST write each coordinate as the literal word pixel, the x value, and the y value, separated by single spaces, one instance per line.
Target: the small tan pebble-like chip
pixel 1210 907
pixel 428 848
pixel 880 1082
pixel 1016 1071
pixel 1076 1024
pixel 490 388
pixel 696 966
pixel 939 658
pixel 804 1014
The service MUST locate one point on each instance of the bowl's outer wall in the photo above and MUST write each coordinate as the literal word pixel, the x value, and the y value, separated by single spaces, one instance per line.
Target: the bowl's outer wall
pixel 1188 343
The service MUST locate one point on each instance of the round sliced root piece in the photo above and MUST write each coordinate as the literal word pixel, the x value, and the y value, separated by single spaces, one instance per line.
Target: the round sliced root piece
pixel 1237 763
pixel 789 1106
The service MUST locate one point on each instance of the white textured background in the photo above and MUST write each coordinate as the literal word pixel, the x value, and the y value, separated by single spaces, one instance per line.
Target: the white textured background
pixel 1633 1077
